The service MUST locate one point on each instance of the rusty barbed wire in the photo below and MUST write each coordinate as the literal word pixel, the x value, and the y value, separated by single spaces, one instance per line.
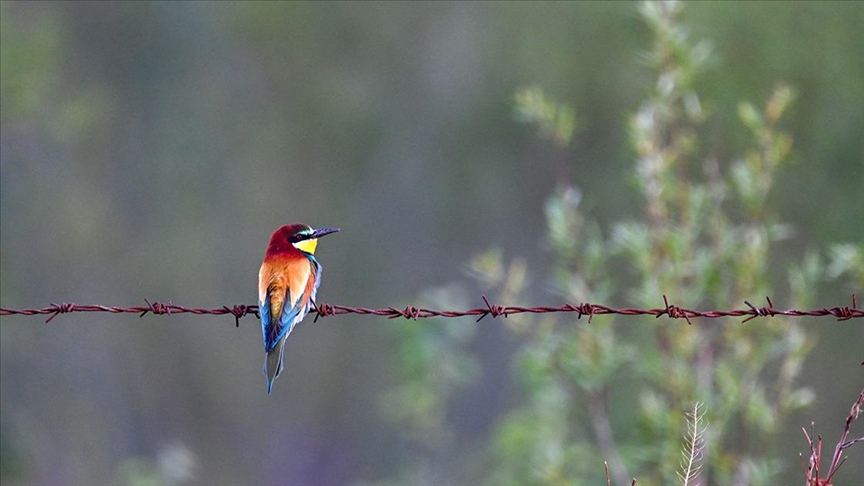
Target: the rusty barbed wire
pixel 841 313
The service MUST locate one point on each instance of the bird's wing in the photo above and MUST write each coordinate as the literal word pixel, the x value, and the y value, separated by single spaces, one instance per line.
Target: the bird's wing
pixel 273 293
pixel 275 329
pixel 290 316
pixel 264 311
pixel 264 307
pixel 285 289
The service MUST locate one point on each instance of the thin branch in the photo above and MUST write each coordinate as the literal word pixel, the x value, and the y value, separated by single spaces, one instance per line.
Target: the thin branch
pixel 812 471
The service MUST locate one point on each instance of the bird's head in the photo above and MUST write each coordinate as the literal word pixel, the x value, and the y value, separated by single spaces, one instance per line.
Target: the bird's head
pixel 299 235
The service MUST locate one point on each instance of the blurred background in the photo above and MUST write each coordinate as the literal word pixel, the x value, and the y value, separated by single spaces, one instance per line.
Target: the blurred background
pixel 150 148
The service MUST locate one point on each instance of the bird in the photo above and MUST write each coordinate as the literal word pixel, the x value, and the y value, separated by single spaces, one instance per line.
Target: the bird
pixel 287 285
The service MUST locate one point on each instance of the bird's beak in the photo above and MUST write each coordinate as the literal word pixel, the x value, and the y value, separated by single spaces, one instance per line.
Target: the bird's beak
pixel 318 233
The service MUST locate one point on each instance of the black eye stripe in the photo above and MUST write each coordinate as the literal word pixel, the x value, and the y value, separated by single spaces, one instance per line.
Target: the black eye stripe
pixel 301 237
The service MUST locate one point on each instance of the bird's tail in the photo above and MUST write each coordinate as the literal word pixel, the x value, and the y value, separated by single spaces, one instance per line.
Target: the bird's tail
pixel 273 364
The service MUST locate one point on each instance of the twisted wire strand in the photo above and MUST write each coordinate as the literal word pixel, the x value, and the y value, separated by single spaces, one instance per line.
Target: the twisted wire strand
pixel 841 313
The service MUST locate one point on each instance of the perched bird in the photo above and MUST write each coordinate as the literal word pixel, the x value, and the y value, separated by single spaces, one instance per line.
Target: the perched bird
pixel 287 284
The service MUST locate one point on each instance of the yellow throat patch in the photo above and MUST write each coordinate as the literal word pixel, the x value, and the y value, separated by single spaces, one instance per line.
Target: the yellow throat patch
pixel 307 245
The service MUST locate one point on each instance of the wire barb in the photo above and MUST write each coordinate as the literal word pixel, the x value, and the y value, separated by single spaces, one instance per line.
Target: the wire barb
pixel 59 309
pixel 675 312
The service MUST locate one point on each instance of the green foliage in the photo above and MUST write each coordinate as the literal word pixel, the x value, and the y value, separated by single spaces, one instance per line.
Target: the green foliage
pixel 705 240
pixel 437 364
pixel 848 260
pixel 555 121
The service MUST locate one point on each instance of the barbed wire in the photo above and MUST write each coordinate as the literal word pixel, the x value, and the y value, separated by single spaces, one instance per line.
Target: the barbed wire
pixel 841 313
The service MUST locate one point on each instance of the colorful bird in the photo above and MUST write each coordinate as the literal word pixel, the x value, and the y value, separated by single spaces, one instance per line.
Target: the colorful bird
pixel 287 284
